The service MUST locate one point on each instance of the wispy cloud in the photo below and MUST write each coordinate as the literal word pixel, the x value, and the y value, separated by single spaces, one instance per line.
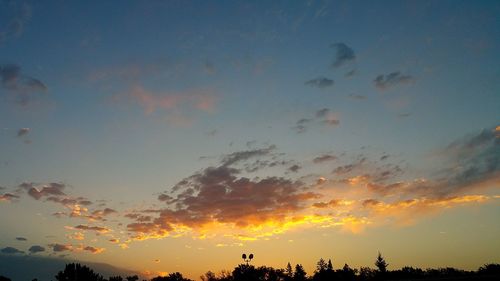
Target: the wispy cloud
pixel 320 82
pixel 18 87
pixel 323 116
pixel 343 54
pixel 384 82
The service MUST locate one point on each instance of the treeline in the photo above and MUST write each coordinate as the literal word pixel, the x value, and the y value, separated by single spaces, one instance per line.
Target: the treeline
pixel 324 272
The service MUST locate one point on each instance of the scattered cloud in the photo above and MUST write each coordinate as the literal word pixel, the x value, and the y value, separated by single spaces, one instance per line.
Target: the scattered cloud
pixel 324 116
pixel 18 87
pixel 92 228
pixel 320 82
pixel 151 101
pixel 11 251
pixel 324 158
pixel 8 197
pixel 38 192
pixel 61 247
pixel 384 82
pixel 343 54
pixel 23 132
pixel 294 168
pixel 36 249
pixel 93 250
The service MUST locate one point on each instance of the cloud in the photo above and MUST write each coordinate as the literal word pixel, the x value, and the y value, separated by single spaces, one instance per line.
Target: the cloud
pixel 61 247
pixel 11 251
pixel 93 228
pixel 217 195
pixel 324 116
pixel 23 132
pixel 199 99
pixel 384 82
pixel 343 54
pixel 38 192
pixel 8 197
pixel 20 88
pixel 322 113
pixel 15 27
pixel 93 250
pixel 240 156
pixel 320 82
pixel 324 158
pixel 36 249
pixel 294 168
pixel 406 212
pixel 21 239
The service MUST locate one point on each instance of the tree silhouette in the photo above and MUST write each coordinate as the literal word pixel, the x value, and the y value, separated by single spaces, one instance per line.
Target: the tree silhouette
pixel 381 264
pixel 176 276
pixel 299 274
pixel 3 278
pixel 78 272
pixel 115 278
pixel 132 278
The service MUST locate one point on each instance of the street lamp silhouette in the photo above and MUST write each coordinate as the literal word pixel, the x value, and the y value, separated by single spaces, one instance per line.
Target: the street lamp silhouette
pixel 244 257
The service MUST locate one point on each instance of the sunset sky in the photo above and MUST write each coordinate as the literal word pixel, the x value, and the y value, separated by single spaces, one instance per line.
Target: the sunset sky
pixel 164 136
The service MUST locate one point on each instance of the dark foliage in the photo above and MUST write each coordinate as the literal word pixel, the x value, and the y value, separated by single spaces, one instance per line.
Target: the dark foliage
pixel 324 272
pixel 77 272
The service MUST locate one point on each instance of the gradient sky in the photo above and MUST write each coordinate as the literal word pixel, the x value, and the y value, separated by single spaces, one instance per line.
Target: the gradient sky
pixel 167 136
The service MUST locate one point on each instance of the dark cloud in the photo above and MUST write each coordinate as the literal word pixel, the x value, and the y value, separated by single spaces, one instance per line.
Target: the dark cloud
pixel 11 251
pixel 294 168
pixel 21 239
pixel 384 82
pixel 23 132
pixel 323 116
pixel 320 82
pixel 37 192
pixel 240 156
pixel 92 228
pixel 16 24
pixel 36 249
pixel 61 247
pixel 345 169
pixel 324 158
pixel 18 87
pixel 218 194
pixel 343 54
pixel 472 162
pixel 322 113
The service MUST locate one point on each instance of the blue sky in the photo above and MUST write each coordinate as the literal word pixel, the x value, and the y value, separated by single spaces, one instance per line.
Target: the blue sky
pixel 121 101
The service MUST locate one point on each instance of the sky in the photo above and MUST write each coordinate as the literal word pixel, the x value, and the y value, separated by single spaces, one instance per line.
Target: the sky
pixel 164 136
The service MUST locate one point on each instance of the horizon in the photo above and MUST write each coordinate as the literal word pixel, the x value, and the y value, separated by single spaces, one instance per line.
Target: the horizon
pixel 173 136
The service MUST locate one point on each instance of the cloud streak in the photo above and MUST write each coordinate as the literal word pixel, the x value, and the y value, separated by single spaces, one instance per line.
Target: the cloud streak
pixel 18 87
pixel 384 82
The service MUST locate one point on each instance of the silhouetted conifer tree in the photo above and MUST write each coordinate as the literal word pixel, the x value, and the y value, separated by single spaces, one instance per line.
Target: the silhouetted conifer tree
pixel 299 274
pixel 381 264
pixel 77 272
